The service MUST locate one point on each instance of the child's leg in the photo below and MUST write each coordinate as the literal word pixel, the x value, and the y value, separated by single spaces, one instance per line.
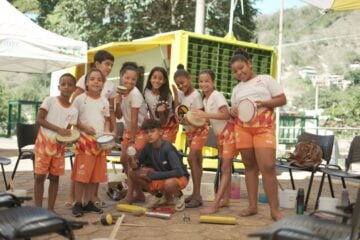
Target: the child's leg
pixel 79 191
pixel 222 193
pixel 195 162
pixel 265 158
pixel 251 180
pixel 39 189
pixel 53 190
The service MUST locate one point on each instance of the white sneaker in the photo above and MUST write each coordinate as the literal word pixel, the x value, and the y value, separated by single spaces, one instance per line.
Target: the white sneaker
pixel 179 203
pixel 155 201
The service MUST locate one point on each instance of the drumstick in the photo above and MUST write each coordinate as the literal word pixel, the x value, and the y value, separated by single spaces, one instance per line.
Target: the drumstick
pixel 116 227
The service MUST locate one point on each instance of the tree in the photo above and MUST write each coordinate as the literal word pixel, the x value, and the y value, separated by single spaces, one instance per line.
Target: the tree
pixel 3 106
pixel 353 76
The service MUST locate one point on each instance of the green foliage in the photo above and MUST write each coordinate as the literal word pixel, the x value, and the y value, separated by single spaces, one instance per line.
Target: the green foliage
pixel 3 106
pixel 353 76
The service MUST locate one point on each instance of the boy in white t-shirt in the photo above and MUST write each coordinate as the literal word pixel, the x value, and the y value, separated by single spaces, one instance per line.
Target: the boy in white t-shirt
pixel 56 115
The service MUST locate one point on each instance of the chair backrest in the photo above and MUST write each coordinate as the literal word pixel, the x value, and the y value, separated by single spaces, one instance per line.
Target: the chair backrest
pixel 26 134
pixel 355 220
pixel 354 153
pixel 326 142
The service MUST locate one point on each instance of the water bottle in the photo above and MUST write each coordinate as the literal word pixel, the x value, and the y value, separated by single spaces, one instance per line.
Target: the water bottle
pixel 300 203
pixel 345 198
pixel 262 195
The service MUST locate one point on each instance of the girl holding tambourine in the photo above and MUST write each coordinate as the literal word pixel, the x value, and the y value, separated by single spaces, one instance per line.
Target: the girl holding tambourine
pixel 217 112
pixel 131 106
pixel 196 136
pixel 159 100
pixel 253 101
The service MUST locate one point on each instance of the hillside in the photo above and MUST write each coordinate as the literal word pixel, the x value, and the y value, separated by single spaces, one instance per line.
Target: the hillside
pixel 329 42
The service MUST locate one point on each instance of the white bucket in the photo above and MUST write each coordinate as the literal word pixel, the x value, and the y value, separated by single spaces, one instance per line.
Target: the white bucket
pixel 287 198
pixel 207 191
pixel 328 204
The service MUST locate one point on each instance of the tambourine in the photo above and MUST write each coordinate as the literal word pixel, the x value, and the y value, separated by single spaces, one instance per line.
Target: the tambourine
pixel 69 140
pixel 180 111
pixel 121 90
pixel 247 110
pixel 105 141
pixel 160 103
pixel 194 120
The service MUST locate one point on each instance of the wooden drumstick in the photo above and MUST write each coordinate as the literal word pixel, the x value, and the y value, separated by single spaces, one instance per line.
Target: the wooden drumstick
pixel 116 227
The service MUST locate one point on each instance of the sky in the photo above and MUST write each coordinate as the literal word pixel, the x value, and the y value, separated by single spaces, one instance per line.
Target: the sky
pixel 272 6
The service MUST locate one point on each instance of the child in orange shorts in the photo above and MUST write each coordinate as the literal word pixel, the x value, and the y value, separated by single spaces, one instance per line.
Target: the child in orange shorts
pixel 196 137
pixel 158 169
pixel 90 161
pixel 55 116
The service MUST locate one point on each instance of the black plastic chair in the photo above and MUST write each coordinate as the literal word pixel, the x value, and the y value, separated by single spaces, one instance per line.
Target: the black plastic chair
pixel 27 222
pixel 326 143
pixel 337 171
pixel 4 161
pixel 26 136
pixel 301 227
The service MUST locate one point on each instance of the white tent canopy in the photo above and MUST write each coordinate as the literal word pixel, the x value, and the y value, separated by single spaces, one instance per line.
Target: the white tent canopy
pixel 26 47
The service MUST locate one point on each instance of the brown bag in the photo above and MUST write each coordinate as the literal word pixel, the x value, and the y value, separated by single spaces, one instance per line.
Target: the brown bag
pixel 306 154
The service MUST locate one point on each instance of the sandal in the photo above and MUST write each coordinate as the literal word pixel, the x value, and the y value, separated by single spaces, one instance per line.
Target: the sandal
pixel 68 204
pixel 193 203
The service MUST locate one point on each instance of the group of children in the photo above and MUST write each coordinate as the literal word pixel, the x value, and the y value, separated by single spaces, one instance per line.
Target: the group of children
pixel 150 126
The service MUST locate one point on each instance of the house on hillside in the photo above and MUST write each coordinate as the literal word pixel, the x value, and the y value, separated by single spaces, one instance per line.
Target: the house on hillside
pixel 308 72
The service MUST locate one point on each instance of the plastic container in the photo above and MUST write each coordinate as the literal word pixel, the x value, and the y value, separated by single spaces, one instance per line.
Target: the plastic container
pixel 262 196
pixel 287 198
pixel 328 204
pixel 235 186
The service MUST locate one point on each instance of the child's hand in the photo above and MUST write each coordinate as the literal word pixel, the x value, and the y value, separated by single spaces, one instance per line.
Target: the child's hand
pixel 234 111
pixel 89 130
pixel 200 114
pixel 259 104
pixel 64 132
pixel 175 90
pixel 161 107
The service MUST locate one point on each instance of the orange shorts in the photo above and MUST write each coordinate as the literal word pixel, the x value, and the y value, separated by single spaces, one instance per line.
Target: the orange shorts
pixel 197 138
pixel 140 140
pixel 226 142
pixel 158 185
pixel 170 130
pixel 44 164
pixel 89 168
pixel 257 137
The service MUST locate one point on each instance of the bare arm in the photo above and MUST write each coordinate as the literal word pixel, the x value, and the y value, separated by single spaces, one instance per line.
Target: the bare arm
pixel 176 95
pixel 276 101
pixel 118 112
pixel 134 123
pixel 113 126
pixel 222 115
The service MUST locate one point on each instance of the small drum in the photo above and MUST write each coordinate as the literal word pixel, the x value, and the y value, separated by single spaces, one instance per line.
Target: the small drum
pixel 69 140
pixel 122 90
pixel 105 141
pixel 180 111
pixel 247 110
pixel 194 120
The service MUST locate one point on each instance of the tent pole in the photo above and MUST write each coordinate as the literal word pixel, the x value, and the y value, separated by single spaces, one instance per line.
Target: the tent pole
pixel 279 69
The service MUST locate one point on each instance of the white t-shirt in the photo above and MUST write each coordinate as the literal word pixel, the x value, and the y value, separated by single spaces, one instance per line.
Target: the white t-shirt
pixel 260 88
pixel 92 111
pixel 212 105
pixel 152 101
pixel 133 100
pixel 108 91
pixel 57 114
pixel 193 101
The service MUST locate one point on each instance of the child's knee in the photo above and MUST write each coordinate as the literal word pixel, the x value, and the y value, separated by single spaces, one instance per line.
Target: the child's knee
pixel 53 178
pixel 40 177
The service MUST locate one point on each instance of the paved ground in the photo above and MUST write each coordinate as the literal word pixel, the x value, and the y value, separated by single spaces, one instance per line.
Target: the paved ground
pixel 152 228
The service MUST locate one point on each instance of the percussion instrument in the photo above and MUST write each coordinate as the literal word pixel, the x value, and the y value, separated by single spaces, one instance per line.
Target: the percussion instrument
pixel 105 141
pixel 69 140
pixel 194 120
pixel 247 110
pixel 217 219
pixel 180 111
pixel 122 90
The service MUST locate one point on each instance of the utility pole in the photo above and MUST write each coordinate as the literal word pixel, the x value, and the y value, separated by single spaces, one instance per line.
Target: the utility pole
pixel 200 16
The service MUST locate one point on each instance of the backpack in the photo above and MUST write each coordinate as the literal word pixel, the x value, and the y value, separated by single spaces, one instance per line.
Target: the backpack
pixel 306 154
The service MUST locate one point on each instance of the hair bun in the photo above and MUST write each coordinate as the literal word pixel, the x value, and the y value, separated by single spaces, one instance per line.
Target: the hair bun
pixel 242 52
pixel 180 66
